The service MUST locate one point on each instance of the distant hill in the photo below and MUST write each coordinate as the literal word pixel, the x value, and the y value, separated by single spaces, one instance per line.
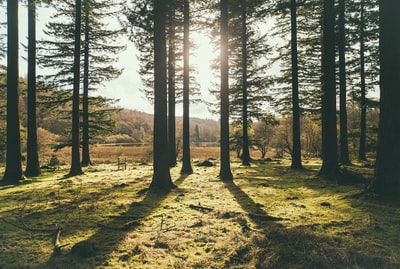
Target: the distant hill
pixel 138 125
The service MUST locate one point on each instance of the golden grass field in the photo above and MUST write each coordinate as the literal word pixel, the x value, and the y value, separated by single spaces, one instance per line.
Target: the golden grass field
pixel 267 217
pixel 106 154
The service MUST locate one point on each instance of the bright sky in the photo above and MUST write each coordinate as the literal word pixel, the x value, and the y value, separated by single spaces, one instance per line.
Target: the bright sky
pixel 126 87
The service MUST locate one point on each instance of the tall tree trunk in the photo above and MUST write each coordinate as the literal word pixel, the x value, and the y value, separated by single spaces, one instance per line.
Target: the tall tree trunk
pixel 76 168
pixel 171 91
pixel 225 169
pixel 13 172
pixel 344 144
pixel 85 100
pixel 330 166
pixel 363 129
pixel 186 162
pixel 387 172
pixel 32 157
pixel 296 154
pixel 245 147
pixel 161 175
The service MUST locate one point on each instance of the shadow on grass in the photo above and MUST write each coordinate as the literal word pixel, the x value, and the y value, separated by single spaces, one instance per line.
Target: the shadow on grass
pixel 254 210
pixel 96 250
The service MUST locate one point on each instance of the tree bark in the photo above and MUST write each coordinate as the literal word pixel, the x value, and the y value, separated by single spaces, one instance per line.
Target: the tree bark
pixel 344 144
pixel 13 173
pixel 296 155
pixel 330 166
pixel 161 174
pixel 387 172
pixel 225 169
pixel 186 162
pixel 363 119
pixel 85 100
pixel 171 92
pixel 76 168
pixel 245 146
pixel 32 157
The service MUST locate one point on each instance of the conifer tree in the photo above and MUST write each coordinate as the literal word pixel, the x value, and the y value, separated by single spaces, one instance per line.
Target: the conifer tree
pixel 387 172
pixel 99 50
pixel 330 167
pixel 32 157
pixel 13 172
pixel 186 161
pixel 76 168
pixel 161 174
pixel 225 168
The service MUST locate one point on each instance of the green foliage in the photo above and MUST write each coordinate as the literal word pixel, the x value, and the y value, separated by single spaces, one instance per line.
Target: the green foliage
pixel 309 56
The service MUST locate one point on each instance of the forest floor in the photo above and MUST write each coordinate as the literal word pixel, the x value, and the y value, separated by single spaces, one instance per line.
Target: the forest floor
pixel 267 217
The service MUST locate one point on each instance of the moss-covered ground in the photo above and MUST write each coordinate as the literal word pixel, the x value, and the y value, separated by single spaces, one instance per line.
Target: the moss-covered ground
pixel 267 217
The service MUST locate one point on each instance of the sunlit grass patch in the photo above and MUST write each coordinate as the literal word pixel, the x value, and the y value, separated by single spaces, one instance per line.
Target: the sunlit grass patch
pixel 268 217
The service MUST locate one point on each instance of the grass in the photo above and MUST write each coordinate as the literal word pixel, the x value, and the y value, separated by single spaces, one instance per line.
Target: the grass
pixel 268 217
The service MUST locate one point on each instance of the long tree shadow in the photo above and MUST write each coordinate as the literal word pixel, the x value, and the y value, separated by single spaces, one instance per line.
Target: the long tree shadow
pixel 253 210
pixel 95 250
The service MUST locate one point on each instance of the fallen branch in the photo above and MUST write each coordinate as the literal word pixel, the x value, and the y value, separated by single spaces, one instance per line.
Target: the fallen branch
pixel 57 241
pixel 201 208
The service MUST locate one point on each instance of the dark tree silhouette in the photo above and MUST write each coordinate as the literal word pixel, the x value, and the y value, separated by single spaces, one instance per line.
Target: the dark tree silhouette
pixel 245 118
pixel 387 172
pixel 363 120
pixel 13 172
pixel 85 98
pixel 225 169
pixel 344 144
pixel 32 157
pixel 330 166
pixel 186 162
pixel 76 168
pixel 161 175
pixel 171 89
pixel 296 153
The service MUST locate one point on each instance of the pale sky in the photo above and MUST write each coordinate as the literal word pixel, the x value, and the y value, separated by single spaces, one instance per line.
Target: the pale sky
pixel 126 87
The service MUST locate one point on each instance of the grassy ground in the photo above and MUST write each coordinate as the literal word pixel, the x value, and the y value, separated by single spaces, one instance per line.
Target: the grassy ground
pixel 268 217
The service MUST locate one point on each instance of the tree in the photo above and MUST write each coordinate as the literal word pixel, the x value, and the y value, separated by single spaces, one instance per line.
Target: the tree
pixel 387 173
pixel 76 168
pixel 245 120
pixel 263 133
pixel 296 156
pixel 161 175
pixel 225 170
pixel 362 70
pixel 32 157
pixel 330 167
pixel 85 99
pixel 186 162
pixel 344 145
pixel 13 173
pixel 98 49
pixel 172 89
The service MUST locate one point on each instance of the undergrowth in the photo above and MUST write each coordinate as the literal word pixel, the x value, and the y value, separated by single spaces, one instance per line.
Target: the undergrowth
pixel 267 217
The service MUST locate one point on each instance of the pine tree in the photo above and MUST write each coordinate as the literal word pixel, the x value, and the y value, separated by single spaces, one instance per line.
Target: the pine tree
pixel 186 162
pixel 13 172
pixel 225 169
pixel 296 156
pixel 344 148
pixel 161 174
pixel 99 48
pixel 32 160
pixel 387 172
pixel 330 167
pixel 76 168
